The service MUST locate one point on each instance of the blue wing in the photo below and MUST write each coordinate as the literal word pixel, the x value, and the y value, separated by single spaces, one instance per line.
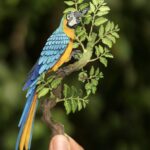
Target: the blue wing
pixel 51 53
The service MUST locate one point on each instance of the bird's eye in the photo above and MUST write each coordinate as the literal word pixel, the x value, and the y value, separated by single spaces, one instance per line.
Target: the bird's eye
pixel 68 17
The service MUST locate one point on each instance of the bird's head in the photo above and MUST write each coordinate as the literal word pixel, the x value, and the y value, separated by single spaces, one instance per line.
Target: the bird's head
pixel 74 18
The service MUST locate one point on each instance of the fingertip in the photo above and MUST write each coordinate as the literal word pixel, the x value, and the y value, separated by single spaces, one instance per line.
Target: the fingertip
pixel 74 145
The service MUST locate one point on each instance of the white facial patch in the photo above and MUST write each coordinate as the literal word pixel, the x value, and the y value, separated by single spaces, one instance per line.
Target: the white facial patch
pixel 72 22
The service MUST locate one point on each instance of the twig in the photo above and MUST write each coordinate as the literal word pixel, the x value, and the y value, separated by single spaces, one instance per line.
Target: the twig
pixel 92 60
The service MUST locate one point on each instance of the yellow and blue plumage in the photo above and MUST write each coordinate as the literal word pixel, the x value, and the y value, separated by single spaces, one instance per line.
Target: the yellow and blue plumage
pixel 56 52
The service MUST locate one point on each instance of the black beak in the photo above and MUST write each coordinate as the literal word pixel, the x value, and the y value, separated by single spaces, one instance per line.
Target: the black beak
pixel 78 15
pixel 84 12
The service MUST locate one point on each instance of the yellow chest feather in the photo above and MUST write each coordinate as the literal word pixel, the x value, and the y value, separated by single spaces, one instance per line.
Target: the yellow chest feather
pixel 66 55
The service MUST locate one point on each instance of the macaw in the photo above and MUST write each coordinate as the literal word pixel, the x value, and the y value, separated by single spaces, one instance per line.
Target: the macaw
pixel 55 53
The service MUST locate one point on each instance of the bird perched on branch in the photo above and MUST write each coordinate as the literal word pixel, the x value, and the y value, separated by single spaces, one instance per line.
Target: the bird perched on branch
pixel 55 53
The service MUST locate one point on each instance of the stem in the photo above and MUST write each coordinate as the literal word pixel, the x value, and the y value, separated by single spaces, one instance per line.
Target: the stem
pixel 56 128
pixel 94 16
pixel 97 41
pixel 74 98
pixel 76 5
pixel 92 60
pixel 81 44
pixel 92 26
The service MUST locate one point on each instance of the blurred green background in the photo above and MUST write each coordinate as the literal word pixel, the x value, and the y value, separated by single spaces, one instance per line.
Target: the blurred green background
pixel 118 117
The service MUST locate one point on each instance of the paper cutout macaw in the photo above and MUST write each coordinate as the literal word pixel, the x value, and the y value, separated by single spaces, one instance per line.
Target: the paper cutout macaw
pixel 56 52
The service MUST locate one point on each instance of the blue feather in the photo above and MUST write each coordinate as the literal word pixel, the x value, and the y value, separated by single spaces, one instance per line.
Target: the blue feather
pixel 42 69
pixel 24 116
pixel 18 138
pixel 27 107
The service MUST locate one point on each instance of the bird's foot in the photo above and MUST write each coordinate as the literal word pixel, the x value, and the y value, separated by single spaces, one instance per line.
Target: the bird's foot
pixel 76 54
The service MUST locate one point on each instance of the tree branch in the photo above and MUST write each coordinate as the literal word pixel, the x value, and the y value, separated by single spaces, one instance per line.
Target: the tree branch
pixel 48 105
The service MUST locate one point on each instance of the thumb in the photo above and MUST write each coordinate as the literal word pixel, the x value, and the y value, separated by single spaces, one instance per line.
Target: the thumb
pixel 59 142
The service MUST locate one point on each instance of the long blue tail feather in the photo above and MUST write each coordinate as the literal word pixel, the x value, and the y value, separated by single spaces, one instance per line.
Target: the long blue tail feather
pixel 32 127
pixel 26 109
pixel 24 118
pixel 19 136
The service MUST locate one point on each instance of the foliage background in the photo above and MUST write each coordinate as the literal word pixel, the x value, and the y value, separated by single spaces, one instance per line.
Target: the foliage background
pixel 118 117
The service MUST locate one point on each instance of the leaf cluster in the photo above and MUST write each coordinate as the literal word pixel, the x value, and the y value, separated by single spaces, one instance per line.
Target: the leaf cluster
pixel 72 99
pixel 90 79
pixel 47 85
pixel 102 54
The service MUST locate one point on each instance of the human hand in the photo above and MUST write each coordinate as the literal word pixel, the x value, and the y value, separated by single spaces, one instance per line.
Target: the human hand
pixel 61 142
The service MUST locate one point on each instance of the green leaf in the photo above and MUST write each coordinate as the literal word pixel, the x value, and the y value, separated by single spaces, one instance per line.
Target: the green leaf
pixel 117 28
pixel 67 106
pixel 111 38
pixel 50 79
pixel 95 2
pixel 103 4
pixel 101 75
pixel 80 1
pixel 43 92
pixel 39 82
pixel 107 42
pixel 100 21
pixel 75 45
pixel 74 105
pixel 40 87
pixel 69 3
pixel 79 105
pixel 83 38
pixel 66 90
pixel 108 26
pixel 83 6
pixel 101 49
pixel 101 31
pixel 102 13
pixel 82 33
pixel 87 20
pixel 71 9
pixel 56 83
pixel 104 8
pixel 97 71
pixel 109 55
pixel 94 89
pixel 97 51
pixel 43 75
pixel 112 26
pixel 94 82
pixel 92 71
pixel 83 76
pixel 74 91
pixel 78 29
pixel 88 86
pixel 88 92
pixel 104 61
pixel 85 102
pixel 92 7
pixel 115 34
